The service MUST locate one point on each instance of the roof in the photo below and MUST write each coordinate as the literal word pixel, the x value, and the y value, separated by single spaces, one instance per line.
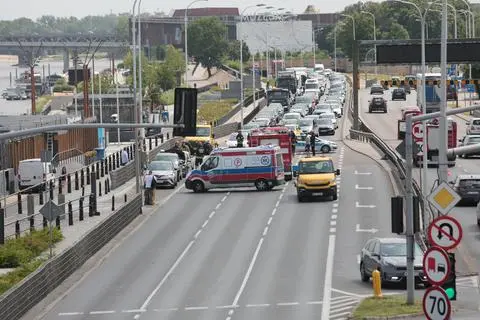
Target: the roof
pixel 207 12
pixel 312 159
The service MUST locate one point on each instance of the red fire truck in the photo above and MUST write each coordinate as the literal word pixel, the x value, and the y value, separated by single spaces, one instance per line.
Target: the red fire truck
pixel 275 136
pixel 433 140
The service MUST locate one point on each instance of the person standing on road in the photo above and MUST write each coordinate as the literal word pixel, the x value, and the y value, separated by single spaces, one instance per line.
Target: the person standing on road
pixel 240 139
pixel 149 182
pixel 293 141
pixel 312 142
pixel 307 143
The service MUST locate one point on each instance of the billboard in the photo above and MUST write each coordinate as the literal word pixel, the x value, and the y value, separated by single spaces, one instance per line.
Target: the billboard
pixel 287 35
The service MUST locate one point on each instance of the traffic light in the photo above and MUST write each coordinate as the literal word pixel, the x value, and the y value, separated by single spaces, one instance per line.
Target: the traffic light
pixel 450 286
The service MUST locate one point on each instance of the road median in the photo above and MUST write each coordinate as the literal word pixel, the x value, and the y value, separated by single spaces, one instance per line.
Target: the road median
pixel 386 308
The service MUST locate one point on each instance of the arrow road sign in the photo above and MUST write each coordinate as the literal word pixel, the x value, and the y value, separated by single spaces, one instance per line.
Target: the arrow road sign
pixel 50 211
pixel 445 232
pixel 436 305
pixel 436 265
pixel 373 230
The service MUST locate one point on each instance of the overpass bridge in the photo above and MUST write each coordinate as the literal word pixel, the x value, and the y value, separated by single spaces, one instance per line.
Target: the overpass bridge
pixel 23 45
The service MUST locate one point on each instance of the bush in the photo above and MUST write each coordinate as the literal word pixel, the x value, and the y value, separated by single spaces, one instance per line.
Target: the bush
pixel 214 110
pixel 91 154
pixel 23 250
pixel 10 279
pixel 62 88
pixel 167 97
pixel 233 64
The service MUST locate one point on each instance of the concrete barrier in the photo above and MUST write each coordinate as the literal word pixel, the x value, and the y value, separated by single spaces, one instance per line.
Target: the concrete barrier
pixel 21 298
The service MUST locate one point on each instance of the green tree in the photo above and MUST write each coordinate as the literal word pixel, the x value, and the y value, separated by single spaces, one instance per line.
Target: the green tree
pixel 207 42
pixel 106 84
pixel 233 52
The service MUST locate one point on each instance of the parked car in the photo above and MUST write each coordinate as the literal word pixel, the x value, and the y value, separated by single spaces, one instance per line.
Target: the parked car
pixel 399 94
pixel 174 158
pixel 473 126
pixel 389 255
pixel 163 173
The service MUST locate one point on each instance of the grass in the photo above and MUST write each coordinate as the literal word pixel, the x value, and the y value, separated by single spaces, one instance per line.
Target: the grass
pixel 22 255
pixel 168 97
pixel 42 102
pixel 214 110
pixel 386 306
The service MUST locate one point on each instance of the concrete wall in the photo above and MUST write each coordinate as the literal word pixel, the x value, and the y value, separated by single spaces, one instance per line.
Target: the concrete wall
pixel 18 300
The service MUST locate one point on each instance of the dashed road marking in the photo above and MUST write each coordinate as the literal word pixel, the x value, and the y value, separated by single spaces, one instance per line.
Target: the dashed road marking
pixel 102 312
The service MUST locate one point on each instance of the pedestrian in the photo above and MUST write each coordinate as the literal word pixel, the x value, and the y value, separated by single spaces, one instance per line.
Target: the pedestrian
pixel 240 139
pixel 312 142
pixel 293 141
pixel 149 183
pixel 124 157
pixel 63 176
pixel 307 143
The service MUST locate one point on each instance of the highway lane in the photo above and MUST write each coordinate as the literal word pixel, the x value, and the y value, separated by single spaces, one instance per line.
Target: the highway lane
pixel 385 126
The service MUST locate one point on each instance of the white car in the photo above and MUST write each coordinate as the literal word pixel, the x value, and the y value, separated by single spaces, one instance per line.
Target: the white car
pixel 473 126
pixel 330 116
pixel 163 173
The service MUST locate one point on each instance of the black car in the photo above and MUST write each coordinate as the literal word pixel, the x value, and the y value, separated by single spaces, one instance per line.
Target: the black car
pixel 377 104
pixel 399 94
pixel 389 256
pixel 406 87
pixel 325 126
pixel 467 186
pixel 376 89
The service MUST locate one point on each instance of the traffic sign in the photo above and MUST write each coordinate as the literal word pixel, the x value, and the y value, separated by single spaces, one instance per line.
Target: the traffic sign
pixel 417 131
pixel 436 265
pixel 50 211
pixel 444 198
pixel 436 305
pixel 445 232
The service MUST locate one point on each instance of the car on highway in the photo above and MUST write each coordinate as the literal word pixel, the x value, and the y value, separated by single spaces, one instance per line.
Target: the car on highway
pixel 175 160
pixel 315 177
pixel 295 128
pixel 468 140
pixel 473 126
pixel 399 94
pixel 262 122
pixel 336 108
pixel 163 173
pixel 251 125
pixel 306 125
pixel 376 89
pixel 299 110
pixel 292 115
pixel 13 94
pixel 377 104
pixel 321 145
pixel 467 186
pixel 4 94
pixel 332 117
pixel 325 126
pixel 323 108
pixel 307 98
pixel 389 255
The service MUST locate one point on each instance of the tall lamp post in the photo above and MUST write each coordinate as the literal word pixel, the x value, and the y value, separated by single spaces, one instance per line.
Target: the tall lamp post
pixel 140 72
pixel 185 21
pixel 353 23
pixel 242 101
pixel 136 115
pixel 374 36
pixel 335 44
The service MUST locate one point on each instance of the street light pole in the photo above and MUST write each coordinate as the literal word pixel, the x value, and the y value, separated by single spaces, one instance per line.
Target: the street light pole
pixel 185 22
pixel 353 23
pixel 242 99
pixel 140 71
pixel 442 152
pixel 374 37
pixel 136 117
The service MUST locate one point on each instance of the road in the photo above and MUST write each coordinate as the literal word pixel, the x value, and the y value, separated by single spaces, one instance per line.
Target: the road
pixel 241 254
pixel 385 126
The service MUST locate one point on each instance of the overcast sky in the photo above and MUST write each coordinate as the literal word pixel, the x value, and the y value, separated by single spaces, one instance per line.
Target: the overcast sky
pixel 12 9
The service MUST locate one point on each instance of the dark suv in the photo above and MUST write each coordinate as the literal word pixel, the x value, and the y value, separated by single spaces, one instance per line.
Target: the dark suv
pixel 399 94
pixel 377 104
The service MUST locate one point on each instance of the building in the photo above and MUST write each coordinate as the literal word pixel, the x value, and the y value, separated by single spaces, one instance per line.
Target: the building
pixel 170 30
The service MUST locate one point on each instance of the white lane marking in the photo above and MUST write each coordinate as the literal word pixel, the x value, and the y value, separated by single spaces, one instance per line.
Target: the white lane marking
pixel 247 275
pixel 280 196
pixel 335 205
pixel 225 307
pixel 165 310
pixel 257 305
pixel 314 302
pixel 269 220
pixel 343 299
pixel 274 211
pixel 103 312
pixel 197 234
pixel 362 173
pixel 333 223
pixel 230 312
pixel 196 308
pixel 334 216
pixel 342 314
pixel 224 198
pixel 334 210
pixel 133 311
pixel 62 314
pixel 218 206
pixel 205 223
pixel 265 231
pixel 371 206
pixel 277 204
pixel 327 283
pixel 333 230
pixel 372 230
pixel 363 188
pixel 359 259
pixel 288 304
pixel 167 275
pixel 211 215
pixel 349 293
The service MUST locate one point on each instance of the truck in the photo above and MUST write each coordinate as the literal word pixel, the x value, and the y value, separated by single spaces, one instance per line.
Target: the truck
pixel 433 136
pixel 278 136
pixel 287 80
pixel 279 95
pixel 432 91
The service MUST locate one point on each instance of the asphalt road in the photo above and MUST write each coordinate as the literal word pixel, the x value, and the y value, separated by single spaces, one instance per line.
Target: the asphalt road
pixel 241 254
pixel 468 253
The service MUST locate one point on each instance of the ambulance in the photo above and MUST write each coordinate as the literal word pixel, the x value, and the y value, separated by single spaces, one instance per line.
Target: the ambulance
pixel 260 166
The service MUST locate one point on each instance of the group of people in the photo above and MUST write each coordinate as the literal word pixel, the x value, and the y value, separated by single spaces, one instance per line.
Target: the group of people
pixel 309 142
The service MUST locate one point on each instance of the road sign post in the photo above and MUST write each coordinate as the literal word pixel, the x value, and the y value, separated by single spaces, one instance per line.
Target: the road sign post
pixel 436 265
pixel 445 232
pixel 444 198
pixel 436 305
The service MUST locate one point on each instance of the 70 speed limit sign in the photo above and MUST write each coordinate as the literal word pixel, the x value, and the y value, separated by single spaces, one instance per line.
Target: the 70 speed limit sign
pixel 436 305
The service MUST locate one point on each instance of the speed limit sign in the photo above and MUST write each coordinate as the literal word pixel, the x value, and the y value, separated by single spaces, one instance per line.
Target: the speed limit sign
pixel 436 305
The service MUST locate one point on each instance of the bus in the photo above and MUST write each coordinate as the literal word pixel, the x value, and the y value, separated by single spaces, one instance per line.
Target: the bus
pixel 432 92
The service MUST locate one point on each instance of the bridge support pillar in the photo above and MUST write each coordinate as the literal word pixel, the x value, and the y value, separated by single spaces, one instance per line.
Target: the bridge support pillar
pixel 66 60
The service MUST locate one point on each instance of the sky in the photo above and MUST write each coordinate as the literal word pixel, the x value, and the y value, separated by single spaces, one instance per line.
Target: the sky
pixel 33 9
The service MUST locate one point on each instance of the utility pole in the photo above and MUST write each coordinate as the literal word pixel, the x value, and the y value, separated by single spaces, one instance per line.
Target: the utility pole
pixel 31 63
pixel 442 152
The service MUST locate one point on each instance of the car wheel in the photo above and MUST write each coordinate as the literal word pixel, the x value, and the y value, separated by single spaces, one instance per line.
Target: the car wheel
pixel 325 149
pixel 478 222
pixel 363 274
pixel 198 187
pixel 300 198
pixel 261 185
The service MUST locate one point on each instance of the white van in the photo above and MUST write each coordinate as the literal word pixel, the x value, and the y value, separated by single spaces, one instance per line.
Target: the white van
pixel 33 172
pixel 319 68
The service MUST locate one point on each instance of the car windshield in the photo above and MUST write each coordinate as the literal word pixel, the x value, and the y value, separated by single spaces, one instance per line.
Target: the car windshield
pixel 324 121
pixel 166 157
pixel 312 167
pixel 473 140
pixel 397 250
pixel 323 106
pixel 328 116
pixel 469 183
pixel 311 85
pixel 291 121
pixel 160 166
pixel 291 116
pixel 305 123
pixel 203 132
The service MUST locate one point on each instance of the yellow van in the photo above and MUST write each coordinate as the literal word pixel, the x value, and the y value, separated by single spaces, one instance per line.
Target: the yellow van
pixel 316 177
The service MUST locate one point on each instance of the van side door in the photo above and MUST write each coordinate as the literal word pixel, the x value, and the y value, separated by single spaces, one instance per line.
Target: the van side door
pixel 213 172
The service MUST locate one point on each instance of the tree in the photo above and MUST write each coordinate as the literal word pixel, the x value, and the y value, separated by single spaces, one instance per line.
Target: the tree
pixel 206 42
pixel 233 52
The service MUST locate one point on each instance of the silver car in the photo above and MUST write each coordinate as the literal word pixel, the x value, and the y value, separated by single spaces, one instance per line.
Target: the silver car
pixel 389 256
pixel 163 173
pixel 174 159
